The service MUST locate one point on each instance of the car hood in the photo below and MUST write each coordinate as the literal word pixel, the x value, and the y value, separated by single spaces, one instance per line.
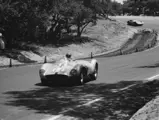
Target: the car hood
pixel 138 22
pixel 64 67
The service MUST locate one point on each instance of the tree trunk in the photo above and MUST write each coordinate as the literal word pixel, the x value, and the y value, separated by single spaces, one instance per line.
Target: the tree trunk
pixel 78 31
pixel 67 26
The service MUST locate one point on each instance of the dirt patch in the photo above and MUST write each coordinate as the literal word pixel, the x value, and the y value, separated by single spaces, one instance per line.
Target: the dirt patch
pixel 145 38
pixel 141 40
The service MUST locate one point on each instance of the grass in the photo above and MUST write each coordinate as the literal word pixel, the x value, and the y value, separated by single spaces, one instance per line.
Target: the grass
pixel 142 40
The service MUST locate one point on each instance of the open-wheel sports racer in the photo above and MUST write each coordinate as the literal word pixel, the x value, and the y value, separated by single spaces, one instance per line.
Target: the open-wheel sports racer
pixel 68 70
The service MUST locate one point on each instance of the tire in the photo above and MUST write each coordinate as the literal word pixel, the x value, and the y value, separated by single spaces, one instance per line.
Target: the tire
pixel 83 75
pixel 95 73
pixel 43 82
pixel 135 24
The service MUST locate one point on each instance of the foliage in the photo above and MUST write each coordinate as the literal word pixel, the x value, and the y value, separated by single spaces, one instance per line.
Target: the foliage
pixel 82 16
pixel 138 7
pixel 40 21
pixel 116 8
pixel 9 19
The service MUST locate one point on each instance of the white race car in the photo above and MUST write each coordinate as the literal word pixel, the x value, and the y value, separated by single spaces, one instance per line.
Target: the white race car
pixel 135 22
pixel 68 70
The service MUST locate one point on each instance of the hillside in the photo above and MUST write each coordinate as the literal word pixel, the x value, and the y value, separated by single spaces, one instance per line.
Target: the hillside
pixel 105 36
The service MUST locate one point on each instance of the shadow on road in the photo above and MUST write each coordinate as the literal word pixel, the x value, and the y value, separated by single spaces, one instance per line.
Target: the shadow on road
pixel 150 66
pixel 119 100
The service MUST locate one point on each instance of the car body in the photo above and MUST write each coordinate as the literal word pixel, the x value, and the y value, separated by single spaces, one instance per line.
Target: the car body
pixel 135 22
pixel 73 71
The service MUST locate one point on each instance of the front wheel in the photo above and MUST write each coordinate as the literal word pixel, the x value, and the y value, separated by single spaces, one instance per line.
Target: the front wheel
pixel 83 75
pixel 43 82
pixel 95 73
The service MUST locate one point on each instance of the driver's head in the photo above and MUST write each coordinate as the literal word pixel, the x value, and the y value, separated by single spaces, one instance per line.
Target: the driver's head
pixel 68 55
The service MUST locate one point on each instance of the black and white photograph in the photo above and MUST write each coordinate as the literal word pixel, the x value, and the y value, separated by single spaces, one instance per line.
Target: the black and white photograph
pixel 79 59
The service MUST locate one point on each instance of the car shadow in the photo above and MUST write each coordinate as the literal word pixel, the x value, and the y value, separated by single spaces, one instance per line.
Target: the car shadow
pixel 118 101
pixel 62 80
pixel 55 82
pixel 58 85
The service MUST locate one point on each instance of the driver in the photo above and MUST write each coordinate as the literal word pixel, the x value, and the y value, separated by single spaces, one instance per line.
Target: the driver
pixel 64 62
pixel 68 57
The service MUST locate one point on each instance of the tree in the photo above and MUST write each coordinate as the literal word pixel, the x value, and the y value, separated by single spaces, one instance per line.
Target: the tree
pixel 9 20
pixel 116 8
pixel 46 20
pixel 73 13
pixel 152 7
pixel 137 7
pixel 82 16
pixel 101 7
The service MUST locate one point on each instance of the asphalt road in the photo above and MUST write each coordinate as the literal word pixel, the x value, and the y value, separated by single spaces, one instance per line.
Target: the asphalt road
pixel 23 98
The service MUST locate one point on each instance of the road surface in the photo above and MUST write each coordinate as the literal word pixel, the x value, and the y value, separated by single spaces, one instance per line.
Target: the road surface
pixel 23 98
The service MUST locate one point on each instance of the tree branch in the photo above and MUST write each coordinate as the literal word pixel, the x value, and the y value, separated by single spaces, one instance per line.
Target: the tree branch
pixel 84 26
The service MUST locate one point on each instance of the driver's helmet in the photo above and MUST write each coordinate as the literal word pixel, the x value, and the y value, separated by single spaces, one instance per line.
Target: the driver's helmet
pixel 68 56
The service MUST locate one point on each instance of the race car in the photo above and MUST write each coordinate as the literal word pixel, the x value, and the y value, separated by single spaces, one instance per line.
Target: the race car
pixel 135 22
pixel 69 71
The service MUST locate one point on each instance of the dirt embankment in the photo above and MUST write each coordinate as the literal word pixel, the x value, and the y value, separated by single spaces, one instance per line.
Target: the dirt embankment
pixel 143 39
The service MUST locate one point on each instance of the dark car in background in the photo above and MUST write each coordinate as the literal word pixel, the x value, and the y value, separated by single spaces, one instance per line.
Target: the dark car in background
pixel 135 22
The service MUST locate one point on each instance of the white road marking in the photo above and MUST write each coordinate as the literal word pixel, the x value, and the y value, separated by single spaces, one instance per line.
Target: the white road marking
pixel 125 88
pixel 153 77
pixel 55 117
pixel 90 102
pixel 149 79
